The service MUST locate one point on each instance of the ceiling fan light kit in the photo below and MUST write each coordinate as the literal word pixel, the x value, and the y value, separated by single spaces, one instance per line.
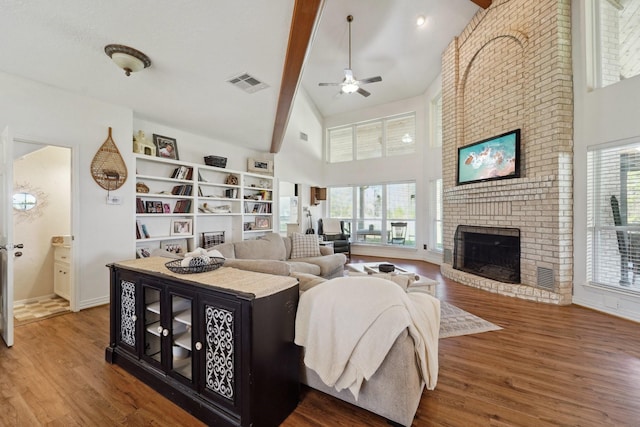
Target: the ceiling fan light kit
pixel 350 84
pixel 129 59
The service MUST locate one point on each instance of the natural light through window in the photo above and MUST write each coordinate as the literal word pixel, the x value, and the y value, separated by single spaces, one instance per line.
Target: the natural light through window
pixel 617 29
pixel 381 214
pixel 613 215
pixel 387 137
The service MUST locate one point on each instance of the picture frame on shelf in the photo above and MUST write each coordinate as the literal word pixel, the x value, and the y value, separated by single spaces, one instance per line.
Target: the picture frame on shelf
pixel 150 206
pixel 166 147
pixel 167 208
pixel 175 246
pixel 262 223
pixel 248 226
pixel 260 166
pixel 181 227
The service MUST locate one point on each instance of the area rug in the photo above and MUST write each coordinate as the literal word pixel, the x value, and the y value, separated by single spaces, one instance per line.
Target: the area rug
pixel 39 310
pixel 455 322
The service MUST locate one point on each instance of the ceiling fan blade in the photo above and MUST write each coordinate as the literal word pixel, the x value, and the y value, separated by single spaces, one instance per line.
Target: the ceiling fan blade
pixel 329 84
pixel 371 80
pixel 363 92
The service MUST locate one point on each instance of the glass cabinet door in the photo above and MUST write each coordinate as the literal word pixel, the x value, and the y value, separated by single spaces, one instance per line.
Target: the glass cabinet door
pixel 153 329
pixel 181 341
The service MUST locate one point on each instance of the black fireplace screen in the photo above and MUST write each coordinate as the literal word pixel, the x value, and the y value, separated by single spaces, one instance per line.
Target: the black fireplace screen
pixel 491 252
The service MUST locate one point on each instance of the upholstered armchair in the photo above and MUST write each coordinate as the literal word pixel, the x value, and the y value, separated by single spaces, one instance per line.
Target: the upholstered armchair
pixel 332 230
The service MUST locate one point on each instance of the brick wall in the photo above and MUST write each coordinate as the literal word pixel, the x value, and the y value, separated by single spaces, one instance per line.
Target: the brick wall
pixel 511 68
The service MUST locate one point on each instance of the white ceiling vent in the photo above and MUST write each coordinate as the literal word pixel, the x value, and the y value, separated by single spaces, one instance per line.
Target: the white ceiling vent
pixel 247 83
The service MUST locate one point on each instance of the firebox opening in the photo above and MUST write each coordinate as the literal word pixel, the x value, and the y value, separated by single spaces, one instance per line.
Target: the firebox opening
pixel 491 252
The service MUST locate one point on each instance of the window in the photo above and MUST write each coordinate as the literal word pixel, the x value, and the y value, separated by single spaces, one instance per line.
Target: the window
pixel 436 214
pixel 617 29
pixel 341 202
pixel 341 144
pixel 369 141
pixel 436 121
pixel 390 136
pixel 401 135
pixel 377 214
pixel 24 201
pixel 613 216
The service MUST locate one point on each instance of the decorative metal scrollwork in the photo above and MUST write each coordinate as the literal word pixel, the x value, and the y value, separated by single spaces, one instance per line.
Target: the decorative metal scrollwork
pixel 219 372
pixel 128 312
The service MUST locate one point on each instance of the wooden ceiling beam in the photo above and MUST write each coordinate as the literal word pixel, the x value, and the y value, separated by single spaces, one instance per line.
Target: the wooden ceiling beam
pixel 482 3
pixel 303 24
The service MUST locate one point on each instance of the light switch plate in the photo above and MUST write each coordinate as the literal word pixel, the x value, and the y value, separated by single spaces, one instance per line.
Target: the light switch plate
pixel 114 200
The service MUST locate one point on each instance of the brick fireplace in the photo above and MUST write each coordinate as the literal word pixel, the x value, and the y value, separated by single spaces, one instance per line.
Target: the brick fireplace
pixel 511 69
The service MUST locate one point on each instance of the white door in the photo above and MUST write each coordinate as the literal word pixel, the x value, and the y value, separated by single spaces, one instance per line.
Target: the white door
pixel 7 247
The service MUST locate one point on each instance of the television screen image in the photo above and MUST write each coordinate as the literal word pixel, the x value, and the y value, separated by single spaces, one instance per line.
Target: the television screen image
pixel 493 158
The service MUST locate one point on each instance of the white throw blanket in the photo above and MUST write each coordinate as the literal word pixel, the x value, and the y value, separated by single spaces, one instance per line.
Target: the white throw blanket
pixel 348 325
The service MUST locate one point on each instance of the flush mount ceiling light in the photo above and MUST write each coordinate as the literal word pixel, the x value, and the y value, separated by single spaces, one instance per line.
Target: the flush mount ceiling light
pixel 127 58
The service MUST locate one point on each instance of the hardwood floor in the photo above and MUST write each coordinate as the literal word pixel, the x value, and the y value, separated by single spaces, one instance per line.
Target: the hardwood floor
pixel 549 366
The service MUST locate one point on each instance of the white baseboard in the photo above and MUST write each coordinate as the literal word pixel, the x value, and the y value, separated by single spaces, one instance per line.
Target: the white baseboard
pixel 95 302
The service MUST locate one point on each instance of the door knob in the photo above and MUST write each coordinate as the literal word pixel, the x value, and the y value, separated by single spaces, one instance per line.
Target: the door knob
pixel 18 254
pixel 19 246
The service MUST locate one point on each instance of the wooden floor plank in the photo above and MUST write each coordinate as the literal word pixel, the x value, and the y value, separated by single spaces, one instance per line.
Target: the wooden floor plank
pixel 548 366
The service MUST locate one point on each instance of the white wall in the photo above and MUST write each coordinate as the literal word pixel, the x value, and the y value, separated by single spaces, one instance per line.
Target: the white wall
pixel 421 167
pixel 600 116
pixel 45 173
pixel 193 148
pixel 103 233
pixel 37 112
pixel 301 162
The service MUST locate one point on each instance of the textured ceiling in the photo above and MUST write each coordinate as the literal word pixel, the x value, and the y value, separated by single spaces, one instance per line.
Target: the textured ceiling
pixel 195 46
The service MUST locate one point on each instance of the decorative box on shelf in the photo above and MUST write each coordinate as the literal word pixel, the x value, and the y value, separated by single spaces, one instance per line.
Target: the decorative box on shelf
pixel 217 161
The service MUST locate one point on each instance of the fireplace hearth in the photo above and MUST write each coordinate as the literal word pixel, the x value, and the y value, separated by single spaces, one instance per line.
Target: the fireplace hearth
pixel 491 252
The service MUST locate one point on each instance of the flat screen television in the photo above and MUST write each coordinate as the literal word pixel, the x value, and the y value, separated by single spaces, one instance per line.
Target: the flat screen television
pixel 497 157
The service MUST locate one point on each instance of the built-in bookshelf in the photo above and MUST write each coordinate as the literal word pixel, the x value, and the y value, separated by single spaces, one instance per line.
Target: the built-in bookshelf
pixel 178 203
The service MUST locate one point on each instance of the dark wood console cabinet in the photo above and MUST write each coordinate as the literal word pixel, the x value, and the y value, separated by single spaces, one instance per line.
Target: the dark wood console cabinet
pixel 223 354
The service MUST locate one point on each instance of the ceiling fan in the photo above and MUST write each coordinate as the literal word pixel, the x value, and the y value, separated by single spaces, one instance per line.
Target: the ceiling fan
pixel 350 84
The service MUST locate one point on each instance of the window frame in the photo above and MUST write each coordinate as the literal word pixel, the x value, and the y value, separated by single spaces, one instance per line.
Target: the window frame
pixel 384 143
pixel 385 220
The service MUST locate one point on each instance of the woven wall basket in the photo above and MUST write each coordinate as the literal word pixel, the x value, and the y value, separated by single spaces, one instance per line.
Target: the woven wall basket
pixel 107 167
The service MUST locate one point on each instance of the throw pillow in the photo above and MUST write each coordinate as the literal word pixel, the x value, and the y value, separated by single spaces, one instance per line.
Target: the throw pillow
pixel 304 245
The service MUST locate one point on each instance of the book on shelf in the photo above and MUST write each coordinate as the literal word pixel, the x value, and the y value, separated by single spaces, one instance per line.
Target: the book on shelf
pixel 231 193
pixel 182 190
pixel 139 205
pixel 257 207
pixel 141 230
pixel 182 206
pixel 182 172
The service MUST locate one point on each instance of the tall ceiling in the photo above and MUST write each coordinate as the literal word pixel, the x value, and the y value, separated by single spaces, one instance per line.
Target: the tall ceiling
pixel 385 42
pixel 196 46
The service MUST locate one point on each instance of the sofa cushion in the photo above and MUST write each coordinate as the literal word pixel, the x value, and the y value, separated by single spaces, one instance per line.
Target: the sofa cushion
pixel 269 246
pixel 327 264
pixel 287 246
pixel 307 281
pixel 304 246
pixel 226 249
pixel 304 267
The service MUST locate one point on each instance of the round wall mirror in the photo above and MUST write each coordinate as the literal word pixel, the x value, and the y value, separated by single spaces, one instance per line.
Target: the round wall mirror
pixel 24 201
